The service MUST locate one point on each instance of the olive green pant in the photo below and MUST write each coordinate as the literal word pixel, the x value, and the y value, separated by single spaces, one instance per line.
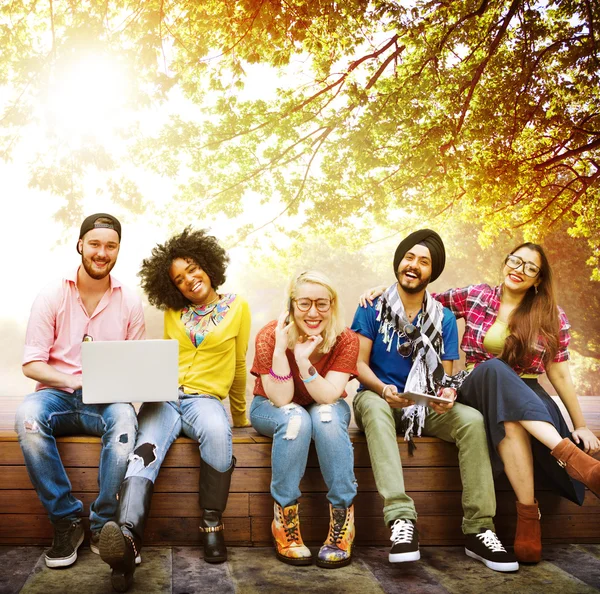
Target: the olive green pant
pixel 461 425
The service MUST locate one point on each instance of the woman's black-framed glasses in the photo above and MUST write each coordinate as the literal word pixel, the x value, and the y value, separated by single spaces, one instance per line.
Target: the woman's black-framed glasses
pixel 529 268
pixel 304 304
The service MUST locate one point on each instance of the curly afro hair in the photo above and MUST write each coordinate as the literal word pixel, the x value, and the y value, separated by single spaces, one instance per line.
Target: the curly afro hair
pixel 198 246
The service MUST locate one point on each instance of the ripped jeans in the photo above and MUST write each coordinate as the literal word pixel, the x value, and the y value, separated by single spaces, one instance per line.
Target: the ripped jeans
pixel 48 413
pixel 200 417
pixel 292 427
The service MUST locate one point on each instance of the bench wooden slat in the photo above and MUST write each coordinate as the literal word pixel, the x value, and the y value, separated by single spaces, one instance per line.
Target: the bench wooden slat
pixel 186 455
pixel 438 529
pixel 184 505
pixel 257 480
pixel 369 531
pixel 432 479
pixel 169 505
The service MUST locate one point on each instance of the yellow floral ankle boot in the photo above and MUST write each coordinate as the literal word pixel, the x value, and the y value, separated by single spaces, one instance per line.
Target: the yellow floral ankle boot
pixel 337 549
pixel 289 546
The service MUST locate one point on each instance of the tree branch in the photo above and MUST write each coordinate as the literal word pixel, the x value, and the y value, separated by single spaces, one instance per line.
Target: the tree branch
pixel 479 71
pixel 277 117
pixel 379 72
pixel 272 162
pixel 567 154
pixel 298 193
pixel 479 12
pixel 53 32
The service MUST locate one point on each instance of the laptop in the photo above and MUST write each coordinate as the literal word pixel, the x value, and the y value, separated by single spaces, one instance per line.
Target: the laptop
pixel 129 371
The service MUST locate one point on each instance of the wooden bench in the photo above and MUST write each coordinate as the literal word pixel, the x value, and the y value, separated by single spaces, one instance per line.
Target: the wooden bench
pixel 431 476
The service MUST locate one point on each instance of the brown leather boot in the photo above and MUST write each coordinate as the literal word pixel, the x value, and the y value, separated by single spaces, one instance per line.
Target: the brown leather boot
pixel 578 464
pixel 528 537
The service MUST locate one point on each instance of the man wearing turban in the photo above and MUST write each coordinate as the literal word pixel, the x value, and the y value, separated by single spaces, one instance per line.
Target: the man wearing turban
pixel 408 342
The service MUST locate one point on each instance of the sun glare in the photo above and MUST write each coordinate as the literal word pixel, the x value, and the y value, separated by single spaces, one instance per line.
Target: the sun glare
pixel 87 98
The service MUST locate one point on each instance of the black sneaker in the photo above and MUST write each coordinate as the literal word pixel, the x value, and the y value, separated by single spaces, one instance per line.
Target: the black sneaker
pixel 487 548
pixel 406 542
pixel 68 536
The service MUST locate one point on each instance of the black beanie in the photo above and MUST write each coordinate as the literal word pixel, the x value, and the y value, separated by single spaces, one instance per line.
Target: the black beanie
pixel 90 223
pixel 430 239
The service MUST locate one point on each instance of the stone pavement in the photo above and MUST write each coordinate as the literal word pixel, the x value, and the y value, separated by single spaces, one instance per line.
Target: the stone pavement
pixel 566 569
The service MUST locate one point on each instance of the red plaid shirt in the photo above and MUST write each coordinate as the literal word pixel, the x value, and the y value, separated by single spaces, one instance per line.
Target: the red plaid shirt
pixel 479 305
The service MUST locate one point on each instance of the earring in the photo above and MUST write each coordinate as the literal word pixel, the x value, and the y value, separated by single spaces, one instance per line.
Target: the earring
pixel 535 287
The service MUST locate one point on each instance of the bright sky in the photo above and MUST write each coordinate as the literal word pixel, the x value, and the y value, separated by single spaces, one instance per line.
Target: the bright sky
pixel 86 100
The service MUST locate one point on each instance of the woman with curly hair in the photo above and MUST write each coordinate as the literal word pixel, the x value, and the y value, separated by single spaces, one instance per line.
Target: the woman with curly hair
pixel 182 277
pixel 303 362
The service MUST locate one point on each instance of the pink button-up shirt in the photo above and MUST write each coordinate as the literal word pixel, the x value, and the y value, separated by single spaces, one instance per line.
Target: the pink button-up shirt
pixel 59 321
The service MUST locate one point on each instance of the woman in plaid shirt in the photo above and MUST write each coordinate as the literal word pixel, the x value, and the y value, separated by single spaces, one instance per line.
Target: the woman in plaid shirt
pixel 514 333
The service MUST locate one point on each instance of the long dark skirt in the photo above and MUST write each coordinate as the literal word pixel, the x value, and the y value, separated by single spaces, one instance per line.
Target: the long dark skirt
pixel 494 389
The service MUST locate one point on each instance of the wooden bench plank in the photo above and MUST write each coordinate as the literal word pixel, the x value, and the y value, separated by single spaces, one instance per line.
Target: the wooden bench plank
pixel 369 504
pixel 438 529
pixel 38 529
pixel 431 476
pixel 175 505
pixel 427 503
pixel 257 480
pixel 369 531
pixel 186 455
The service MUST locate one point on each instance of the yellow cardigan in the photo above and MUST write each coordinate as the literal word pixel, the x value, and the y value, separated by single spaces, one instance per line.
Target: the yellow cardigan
pixel 218 366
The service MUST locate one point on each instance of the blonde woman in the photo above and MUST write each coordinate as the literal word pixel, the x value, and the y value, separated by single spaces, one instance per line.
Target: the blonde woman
pixel 302 364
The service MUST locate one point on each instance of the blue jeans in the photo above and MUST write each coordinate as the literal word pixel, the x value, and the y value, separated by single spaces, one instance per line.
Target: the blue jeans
pixel 51 412
pixel 200 417
pixel 292 427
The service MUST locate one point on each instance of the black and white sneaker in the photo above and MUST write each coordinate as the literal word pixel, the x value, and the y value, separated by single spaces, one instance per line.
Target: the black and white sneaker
pixel 68 536
pixel 487 548
pixel 406 542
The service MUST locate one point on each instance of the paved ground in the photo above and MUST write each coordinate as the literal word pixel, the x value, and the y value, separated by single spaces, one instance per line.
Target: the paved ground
pixel 566 569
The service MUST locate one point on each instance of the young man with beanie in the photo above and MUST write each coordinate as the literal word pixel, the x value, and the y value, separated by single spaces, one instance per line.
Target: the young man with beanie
pixel 88 304
pixel 408 343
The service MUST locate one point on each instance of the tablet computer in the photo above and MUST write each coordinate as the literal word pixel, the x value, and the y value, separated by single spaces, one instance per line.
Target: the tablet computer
pixel 424 399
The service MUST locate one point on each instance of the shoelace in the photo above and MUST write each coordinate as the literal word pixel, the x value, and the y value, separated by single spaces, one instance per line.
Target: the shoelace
pixel 290 525
pixel 491 541
pixel 402 531
pixel 339 525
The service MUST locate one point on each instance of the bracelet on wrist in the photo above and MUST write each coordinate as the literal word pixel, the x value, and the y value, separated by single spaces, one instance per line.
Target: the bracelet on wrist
pixel 384 389
pixel 280 378
pixel 310 378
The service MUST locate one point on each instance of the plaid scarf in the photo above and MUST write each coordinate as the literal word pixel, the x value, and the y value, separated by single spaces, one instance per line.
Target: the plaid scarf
pixel 427 373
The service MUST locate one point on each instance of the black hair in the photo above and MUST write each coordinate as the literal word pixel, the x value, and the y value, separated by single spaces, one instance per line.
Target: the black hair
pixel 197 246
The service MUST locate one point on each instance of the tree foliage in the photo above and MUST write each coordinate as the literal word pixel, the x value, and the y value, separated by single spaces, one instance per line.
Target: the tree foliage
pixel 486 111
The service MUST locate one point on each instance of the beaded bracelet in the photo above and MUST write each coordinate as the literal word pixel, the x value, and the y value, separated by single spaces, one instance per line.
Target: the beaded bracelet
pixel 310 378
pixel 280 378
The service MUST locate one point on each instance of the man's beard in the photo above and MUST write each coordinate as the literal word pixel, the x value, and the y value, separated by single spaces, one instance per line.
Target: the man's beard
pixel 95 274
pixel 417 289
